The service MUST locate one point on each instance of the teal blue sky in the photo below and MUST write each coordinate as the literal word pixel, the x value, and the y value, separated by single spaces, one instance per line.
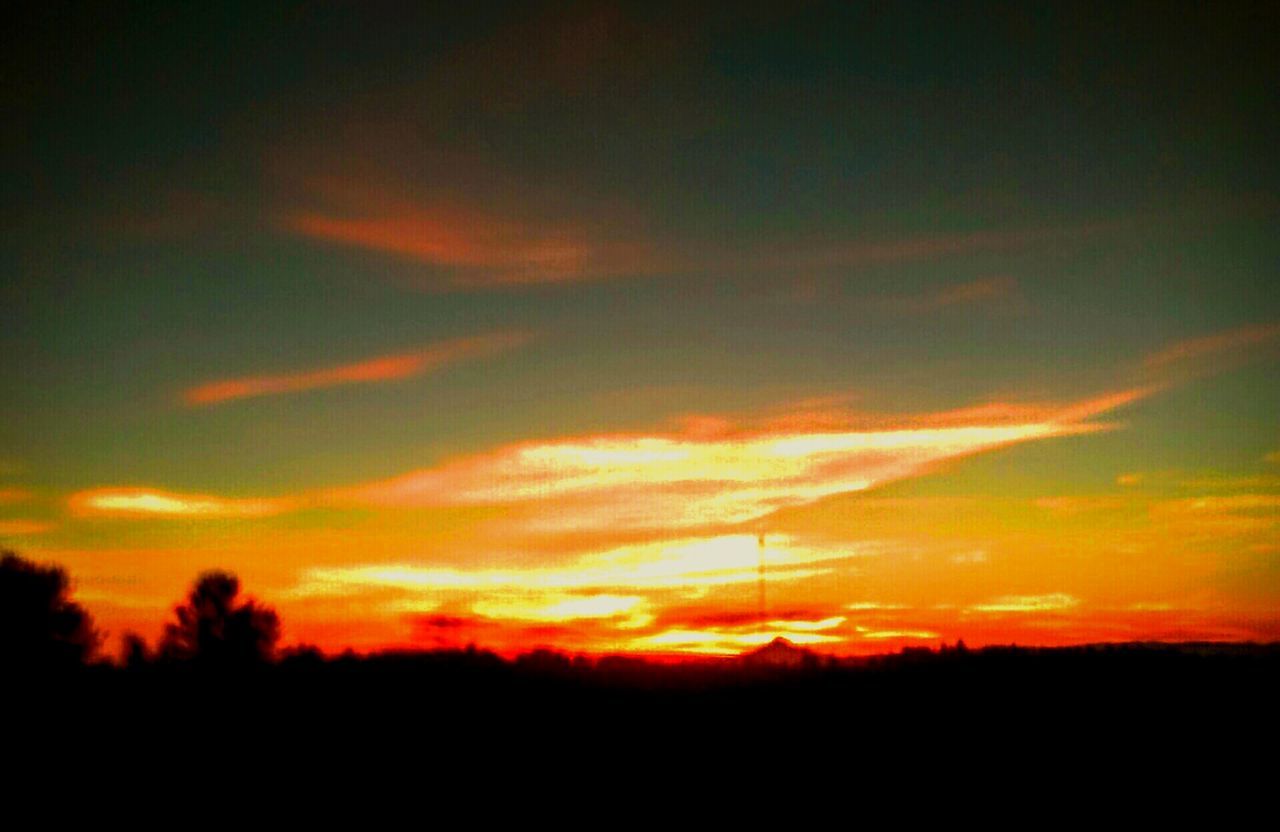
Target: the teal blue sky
pixel 920 207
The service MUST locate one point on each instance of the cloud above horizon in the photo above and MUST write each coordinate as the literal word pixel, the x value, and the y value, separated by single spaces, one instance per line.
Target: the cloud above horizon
pixel 1227 347
pixel 709 472
pixel 502 245
pixel 379 369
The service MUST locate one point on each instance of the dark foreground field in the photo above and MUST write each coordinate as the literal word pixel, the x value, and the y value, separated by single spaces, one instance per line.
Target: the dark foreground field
pixel 923 733
pixel 1011 692
pixel 1138 722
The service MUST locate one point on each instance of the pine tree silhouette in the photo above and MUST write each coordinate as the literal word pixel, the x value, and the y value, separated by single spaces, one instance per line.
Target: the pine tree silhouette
pixel 213 628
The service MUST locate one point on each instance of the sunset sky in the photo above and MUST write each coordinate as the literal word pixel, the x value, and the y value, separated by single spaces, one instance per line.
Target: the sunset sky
pixel 541 325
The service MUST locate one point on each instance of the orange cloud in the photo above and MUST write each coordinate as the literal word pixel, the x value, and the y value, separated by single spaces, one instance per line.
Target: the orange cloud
pixel 383 368
pixel 21 527
pixel 481 249
pixel 1234 343
pixel 14 495
pixel 502 235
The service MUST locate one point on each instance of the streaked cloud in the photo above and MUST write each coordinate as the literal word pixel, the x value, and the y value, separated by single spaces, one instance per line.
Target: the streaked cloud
pixel 722 476
pixel 713 472
pixel 1053 602
pixel 1221 514
pixel 808 626
pixel 670 481
pixel 1233 345
pixel 617 593
pixel 679 563
pixel 381 368
pixel 1219 482
pixel 145 502
pixel 562 608
pixel 484 250
pixel 1205 481
pixel 1077 504
pixel 23 527
pixel 911 635
pixel 509 234
pixel 14 495
pixel 494 240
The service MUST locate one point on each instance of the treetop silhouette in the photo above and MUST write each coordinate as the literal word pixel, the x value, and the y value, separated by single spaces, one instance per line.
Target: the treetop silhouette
pixel 40 626
pixel 215 627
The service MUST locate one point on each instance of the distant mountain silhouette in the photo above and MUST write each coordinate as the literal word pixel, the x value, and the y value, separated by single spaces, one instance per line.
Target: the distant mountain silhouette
pixel 779 653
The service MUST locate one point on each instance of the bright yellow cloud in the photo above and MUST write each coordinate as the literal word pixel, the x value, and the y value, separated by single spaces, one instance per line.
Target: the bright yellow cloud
pixel 689 563
pixel 1028 603
pixel 127 502
pixel 682 481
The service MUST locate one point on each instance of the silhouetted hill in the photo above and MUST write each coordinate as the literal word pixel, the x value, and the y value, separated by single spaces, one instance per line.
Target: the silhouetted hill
pixel 779 654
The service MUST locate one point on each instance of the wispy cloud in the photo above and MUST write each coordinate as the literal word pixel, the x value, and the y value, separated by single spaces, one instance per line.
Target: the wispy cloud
pixel 700 476
pixel 14 495
pixel 382 368
pixel 492 240
pixel 147 502
pixel 23 527
pixel 1052 602
pixel 615 589
pixel 681 563
pixel 512 235
pixel 864 606
pixel 1233 344
pixel 482 249
pixel 1223 514
pixel 679 480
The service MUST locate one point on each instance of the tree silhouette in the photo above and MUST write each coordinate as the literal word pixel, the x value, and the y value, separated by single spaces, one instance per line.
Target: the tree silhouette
pixel 214 629
pixel 40 626
pixel 133 651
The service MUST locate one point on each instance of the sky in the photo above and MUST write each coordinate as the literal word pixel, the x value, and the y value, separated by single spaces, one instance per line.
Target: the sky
pixel 562 324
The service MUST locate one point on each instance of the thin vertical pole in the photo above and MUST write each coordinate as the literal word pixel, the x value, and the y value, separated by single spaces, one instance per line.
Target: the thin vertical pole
pixel 763 622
